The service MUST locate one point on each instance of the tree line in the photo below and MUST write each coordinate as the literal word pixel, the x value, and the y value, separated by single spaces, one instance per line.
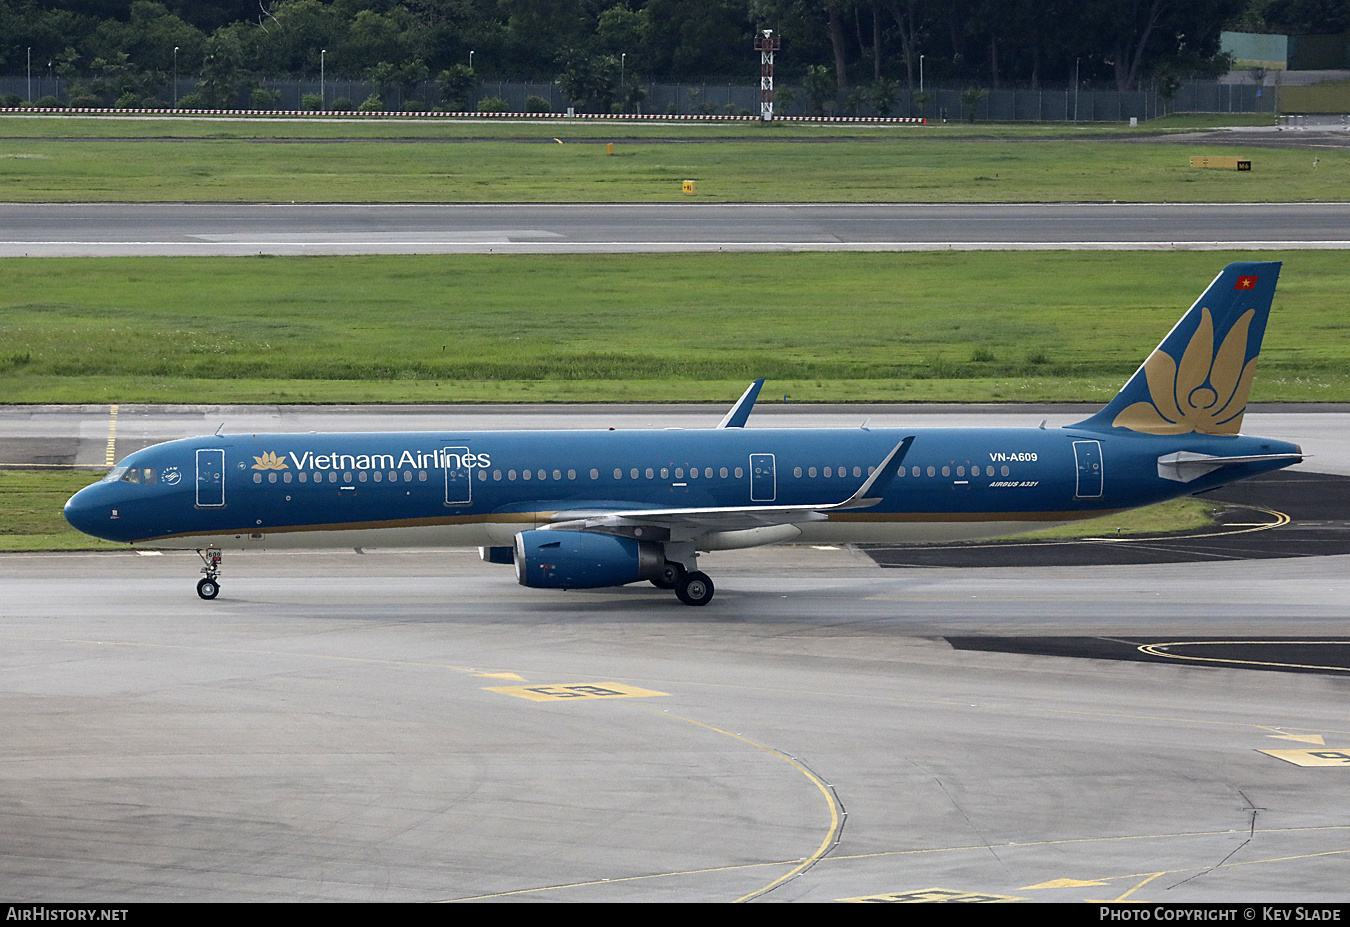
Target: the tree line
pixel 600 51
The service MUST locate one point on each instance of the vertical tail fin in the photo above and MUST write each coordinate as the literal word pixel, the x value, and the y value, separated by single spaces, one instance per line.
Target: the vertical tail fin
pixel 1198 379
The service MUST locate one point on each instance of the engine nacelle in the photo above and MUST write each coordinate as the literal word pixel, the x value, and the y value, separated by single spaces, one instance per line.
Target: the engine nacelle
pixel 584 560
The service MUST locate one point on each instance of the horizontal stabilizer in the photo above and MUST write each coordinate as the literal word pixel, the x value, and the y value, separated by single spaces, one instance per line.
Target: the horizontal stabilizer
pixel 1184 466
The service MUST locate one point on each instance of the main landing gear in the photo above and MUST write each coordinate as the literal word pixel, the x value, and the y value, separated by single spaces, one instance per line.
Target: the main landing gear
pixel 694 588
pixel 209 586
pixel 691 587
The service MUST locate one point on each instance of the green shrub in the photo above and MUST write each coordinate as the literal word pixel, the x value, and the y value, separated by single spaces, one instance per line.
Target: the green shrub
pixel 265 99
pixel 342 105
pixel 492 105
pixel 311 101
pixel 191 101
pixel 372 104
pixel 128 101
pixel 49 102
pixel 535 104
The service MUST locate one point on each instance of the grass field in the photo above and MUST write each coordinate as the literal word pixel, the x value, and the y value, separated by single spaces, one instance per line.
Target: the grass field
pixel 272 161
pixel 997 326
pixel 1186 514
pixel 30 510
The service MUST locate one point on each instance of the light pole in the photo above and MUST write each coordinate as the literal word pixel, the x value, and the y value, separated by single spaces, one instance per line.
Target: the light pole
pixel 920 74
pixel 30 74
pixel 1075 88
pixel 470 61
pixel 623 56
pixel 175 77
pixel 323 100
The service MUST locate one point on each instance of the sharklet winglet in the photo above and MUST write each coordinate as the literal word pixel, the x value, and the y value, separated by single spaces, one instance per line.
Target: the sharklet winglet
pixel 740 412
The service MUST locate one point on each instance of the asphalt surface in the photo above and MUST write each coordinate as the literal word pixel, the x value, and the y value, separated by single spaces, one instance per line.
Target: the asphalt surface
pixel 365 727
pixel 213 229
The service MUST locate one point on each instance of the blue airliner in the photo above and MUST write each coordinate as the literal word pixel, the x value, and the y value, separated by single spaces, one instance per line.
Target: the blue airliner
pixel 586 509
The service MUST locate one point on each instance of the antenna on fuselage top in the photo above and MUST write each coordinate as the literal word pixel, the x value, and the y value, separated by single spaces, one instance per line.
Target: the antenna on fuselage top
pixel 219 427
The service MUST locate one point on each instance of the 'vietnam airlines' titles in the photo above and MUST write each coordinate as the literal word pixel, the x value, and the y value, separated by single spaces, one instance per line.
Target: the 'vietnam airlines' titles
pixel 419 460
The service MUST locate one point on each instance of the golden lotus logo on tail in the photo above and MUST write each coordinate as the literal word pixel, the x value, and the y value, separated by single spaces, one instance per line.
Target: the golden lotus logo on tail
pixel 1206 392
pixel 270 461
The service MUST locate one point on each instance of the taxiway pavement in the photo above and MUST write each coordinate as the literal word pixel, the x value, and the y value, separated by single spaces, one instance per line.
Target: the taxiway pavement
pixel 80 434
pixel 363 727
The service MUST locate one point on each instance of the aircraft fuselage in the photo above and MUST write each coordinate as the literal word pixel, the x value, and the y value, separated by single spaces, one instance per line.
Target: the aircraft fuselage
pixel 480 488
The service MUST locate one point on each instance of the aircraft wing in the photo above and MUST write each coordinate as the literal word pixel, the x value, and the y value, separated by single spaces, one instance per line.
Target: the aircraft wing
pixel 699 520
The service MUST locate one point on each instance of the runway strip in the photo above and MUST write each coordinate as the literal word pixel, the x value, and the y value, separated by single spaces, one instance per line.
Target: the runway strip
pixel 175 229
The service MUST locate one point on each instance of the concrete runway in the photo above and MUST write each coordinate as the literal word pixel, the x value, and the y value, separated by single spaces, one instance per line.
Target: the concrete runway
pixel 75 230
pixel 344 726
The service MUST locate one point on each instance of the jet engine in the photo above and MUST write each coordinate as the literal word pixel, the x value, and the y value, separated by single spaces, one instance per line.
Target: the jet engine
pixel 584 560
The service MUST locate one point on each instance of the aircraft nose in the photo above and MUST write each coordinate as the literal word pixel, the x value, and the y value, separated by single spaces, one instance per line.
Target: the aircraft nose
pixel 86 512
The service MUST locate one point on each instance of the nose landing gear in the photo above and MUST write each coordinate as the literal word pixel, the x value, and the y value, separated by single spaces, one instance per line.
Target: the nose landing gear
pixel 209 586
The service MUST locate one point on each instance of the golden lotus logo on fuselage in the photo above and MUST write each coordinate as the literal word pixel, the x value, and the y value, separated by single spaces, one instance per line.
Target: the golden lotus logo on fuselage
pixel 270 461
pixel 1206 392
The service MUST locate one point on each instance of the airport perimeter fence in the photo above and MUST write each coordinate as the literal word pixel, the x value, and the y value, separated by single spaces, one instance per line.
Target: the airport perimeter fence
pixel 952 103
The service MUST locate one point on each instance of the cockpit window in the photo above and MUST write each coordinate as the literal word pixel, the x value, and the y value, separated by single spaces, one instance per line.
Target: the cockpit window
pixel 115 474
pixel 147 475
